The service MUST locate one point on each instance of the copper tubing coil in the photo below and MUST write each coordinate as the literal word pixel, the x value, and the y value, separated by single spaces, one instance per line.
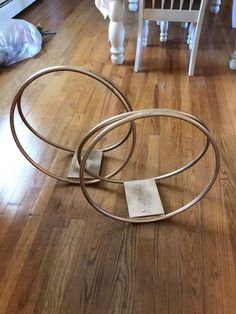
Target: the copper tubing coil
pixel 116 118
pixel 110 85
pixel 125 102
pixel 107 126
pixel 130 117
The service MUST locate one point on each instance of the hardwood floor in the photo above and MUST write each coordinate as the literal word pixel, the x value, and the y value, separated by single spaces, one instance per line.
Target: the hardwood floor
pixel 58 255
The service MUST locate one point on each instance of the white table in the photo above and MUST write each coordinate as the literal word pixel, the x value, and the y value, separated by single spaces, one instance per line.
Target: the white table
pixel 116 32
pixel 114 9
pixel 215 8
pixel 232 62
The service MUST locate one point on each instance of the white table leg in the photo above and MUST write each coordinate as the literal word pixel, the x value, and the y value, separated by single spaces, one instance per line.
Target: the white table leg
pixel 184 25
pixel 145 33
pixel 215 6
pixel 191 34
pixel 232 62
pixel 234 14
pixel 116 31
pixel 164 31
pixel 133 5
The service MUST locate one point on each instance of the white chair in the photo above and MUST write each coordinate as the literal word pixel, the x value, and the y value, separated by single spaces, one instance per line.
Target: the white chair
pixel 185 11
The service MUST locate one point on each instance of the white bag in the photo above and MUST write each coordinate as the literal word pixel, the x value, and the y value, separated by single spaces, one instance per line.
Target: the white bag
pixel 19 40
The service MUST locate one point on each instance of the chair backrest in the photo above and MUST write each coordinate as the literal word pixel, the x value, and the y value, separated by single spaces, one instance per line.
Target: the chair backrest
pixel 173 10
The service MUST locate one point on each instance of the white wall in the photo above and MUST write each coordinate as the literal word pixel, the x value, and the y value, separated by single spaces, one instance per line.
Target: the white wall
pixel 14 7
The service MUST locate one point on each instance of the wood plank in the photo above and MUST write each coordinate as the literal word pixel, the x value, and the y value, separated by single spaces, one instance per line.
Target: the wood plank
pixel 35 271
pixel 62 267
pixel 17 261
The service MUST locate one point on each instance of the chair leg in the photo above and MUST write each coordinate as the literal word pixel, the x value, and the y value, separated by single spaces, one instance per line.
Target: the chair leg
pixel 184 25
pixel 191 34
pixel 139 46
pixel 194 49
pixel 164 31
pixel 145 33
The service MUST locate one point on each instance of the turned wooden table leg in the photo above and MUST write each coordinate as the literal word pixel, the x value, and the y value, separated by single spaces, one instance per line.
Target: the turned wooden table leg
pixel 145 33
pixel 133 5
pixel 232 62
pixel 234 14
pixel 164 31
pixel 191 34
pixel 116 31
pixel 215 6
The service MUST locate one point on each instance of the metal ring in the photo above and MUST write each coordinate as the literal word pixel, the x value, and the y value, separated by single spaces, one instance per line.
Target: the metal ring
pixel 127 117
pixel 17 102
pixel 116 118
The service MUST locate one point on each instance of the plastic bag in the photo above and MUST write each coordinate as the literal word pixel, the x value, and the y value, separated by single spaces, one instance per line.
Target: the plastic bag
pixel 19 40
